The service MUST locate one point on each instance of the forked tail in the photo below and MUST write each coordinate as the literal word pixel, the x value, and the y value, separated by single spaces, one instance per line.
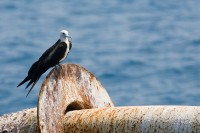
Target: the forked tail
pixel 25 80
pixel 34 82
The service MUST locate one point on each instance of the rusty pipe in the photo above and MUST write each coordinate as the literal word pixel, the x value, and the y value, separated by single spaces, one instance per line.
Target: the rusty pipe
pixel 134 119
pixel 145 119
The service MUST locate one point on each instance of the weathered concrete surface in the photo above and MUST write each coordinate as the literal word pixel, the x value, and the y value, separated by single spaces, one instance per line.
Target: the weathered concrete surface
pixel 138 119
pixel 68 87
pixel 24 121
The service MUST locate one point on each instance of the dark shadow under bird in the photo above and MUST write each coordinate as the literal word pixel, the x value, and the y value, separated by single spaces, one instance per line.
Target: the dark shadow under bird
pixel 50 58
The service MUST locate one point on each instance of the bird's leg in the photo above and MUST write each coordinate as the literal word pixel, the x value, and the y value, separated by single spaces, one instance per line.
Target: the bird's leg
pixel 58 64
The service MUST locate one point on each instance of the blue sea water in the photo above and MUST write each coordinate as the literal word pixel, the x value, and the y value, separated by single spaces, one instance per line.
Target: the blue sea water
pixel 144 52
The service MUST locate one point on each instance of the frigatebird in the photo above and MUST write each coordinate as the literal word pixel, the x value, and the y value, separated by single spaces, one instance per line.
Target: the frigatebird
pixel 50 58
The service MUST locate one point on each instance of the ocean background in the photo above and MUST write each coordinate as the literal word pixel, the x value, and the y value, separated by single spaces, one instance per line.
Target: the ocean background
pixel 144 52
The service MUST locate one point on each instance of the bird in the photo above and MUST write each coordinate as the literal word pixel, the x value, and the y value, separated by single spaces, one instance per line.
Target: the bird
pixel 50 58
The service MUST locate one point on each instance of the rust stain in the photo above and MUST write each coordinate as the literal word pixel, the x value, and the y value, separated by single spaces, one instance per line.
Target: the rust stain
pixel 85 99
pixel 78 74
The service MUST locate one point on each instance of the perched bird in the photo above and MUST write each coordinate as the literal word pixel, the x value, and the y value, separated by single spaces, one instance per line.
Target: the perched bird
pixel 51 57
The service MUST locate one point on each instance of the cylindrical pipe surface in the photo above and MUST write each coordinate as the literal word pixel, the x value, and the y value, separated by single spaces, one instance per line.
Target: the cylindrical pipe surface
pixel 24 121
pixel 145 119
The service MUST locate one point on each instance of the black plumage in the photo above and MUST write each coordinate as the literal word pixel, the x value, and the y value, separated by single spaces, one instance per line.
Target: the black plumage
pixel 51 57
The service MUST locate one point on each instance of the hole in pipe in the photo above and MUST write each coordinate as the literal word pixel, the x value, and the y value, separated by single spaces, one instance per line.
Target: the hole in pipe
pixel 76 105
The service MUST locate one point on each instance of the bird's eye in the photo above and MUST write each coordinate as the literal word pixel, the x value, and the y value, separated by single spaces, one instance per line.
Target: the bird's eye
pixel 63 33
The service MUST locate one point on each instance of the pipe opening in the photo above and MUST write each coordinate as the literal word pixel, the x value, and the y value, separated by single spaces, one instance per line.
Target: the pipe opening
pixel 76 105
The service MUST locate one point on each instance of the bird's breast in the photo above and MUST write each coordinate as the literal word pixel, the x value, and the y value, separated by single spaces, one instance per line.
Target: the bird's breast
pixel 66 51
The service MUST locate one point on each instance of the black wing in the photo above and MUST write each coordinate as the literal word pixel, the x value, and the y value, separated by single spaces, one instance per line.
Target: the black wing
pixel 49 50
pixel 53 57
pixel 37 69
pixel 49 58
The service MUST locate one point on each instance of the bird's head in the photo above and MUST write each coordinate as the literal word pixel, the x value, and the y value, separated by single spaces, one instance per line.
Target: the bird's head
pixel 64 35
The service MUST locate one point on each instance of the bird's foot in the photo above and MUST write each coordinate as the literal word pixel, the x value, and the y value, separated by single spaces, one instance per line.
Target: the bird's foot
pixel 58 65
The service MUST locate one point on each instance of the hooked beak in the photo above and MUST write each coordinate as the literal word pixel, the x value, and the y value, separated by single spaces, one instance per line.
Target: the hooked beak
pixel 68 36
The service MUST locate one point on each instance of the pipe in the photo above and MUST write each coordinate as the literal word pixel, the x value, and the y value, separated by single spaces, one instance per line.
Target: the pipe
pixel 138 119
pixel 130 119
pixel 24 121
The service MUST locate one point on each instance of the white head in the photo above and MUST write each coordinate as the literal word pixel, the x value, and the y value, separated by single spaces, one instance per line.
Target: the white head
pixel 64 35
